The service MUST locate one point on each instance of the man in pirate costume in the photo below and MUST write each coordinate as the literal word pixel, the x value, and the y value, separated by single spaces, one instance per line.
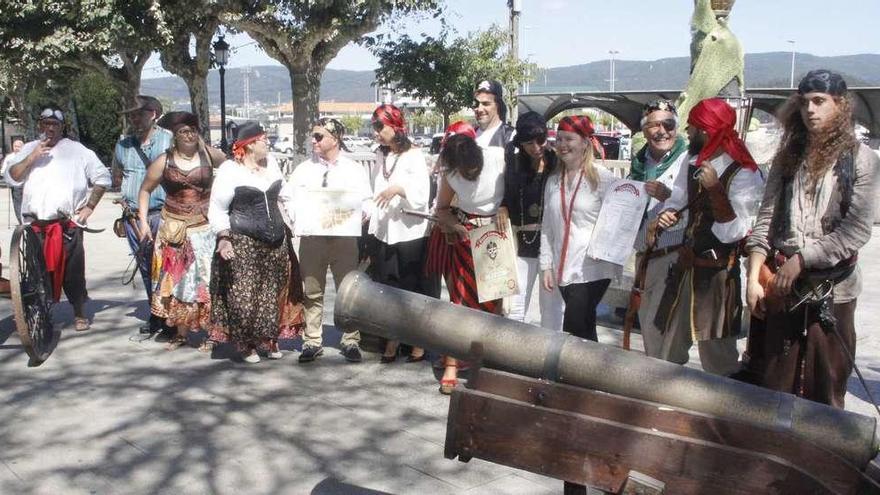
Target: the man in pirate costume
pixel 62 182
pixel 816 215
pixel 658 164
pixel 718 189
pixel 490 112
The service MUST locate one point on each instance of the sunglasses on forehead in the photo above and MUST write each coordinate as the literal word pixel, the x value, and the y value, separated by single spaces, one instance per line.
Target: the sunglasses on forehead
pixel 668 124
pixel 52 114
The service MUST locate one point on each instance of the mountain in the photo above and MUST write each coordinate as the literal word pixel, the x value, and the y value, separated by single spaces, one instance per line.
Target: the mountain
pixel 269 84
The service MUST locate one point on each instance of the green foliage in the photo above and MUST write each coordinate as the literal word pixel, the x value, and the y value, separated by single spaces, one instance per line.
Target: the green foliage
pixel 353 124
pixel 445 70
pixel 96 100
pixel 425 119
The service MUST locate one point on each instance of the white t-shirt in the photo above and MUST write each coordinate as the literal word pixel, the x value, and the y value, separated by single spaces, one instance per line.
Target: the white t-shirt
pixel 482 196
pixel 409 171
pixel 60 183
pixel 485 137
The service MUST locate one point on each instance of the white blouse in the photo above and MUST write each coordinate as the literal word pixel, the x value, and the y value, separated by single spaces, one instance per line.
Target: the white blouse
pixel 482 196
pixel 409 171
pixel 231 175
pixel 59 182
pixel 578 267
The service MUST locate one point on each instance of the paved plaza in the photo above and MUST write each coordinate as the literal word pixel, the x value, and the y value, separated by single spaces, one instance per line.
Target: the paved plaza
pixel 110 413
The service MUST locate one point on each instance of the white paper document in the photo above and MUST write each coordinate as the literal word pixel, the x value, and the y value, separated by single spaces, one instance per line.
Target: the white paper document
pixel 619 221
pixel 494 262
pixel 331 212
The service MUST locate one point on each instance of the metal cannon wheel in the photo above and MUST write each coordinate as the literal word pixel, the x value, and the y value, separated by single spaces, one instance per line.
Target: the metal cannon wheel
pixel 31 288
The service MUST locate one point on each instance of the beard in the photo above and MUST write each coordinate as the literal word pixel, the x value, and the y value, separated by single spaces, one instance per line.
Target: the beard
pixel 695 146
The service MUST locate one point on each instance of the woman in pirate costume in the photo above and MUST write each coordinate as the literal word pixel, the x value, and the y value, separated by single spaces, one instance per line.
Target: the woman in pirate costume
pixel 400 181
pixel 475 177
pixel 528 164
pixel 256 288
pixel 816 215
pixel 184 245
pixel 572 200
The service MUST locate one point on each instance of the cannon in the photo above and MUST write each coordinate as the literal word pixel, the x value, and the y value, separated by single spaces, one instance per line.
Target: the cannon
pixel 593 414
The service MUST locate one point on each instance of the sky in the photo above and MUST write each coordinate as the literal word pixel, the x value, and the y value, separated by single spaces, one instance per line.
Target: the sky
pixel 557 33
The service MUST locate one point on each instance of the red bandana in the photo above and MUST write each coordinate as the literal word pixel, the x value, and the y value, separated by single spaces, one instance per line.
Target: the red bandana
pixel 391 116
pixel 583 127
pixel 460 127
pixel 238 148
pixel 718 119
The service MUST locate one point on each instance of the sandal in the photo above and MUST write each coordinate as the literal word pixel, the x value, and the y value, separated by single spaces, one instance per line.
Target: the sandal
pixel 81 324
pixel 415 359
pixel 207 346
pixel 447 384
pixel 175 343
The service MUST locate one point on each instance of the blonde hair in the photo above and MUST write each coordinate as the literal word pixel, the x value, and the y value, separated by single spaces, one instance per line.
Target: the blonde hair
pixel 588 167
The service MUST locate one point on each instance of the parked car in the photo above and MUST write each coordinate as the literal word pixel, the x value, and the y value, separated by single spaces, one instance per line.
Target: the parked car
pixel 283 145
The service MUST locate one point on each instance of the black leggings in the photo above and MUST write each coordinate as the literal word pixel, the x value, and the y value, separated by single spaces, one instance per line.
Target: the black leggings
pixel 580 307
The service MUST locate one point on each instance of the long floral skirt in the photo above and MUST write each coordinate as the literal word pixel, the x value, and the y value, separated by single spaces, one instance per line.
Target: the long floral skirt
pixel 257 296
pixel 181 280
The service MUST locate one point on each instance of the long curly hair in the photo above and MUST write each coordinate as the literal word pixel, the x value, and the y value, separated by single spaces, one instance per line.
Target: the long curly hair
pixel 819 150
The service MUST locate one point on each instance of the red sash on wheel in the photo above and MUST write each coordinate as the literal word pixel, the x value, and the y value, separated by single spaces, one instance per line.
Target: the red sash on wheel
pixel 53 250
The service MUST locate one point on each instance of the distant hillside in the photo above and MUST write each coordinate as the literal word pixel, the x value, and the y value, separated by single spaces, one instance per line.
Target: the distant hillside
pixel 268 83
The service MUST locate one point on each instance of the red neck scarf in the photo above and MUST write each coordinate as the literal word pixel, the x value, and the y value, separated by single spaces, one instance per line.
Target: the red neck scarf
pixel 718 119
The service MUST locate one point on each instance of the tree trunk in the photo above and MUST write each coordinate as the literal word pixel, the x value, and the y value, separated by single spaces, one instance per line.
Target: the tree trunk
pixel 198 98
pixel 306 88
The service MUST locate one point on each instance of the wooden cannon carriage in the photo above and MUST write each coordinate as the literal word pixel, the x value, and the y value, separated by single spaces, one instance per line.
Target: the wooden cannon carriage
pixel 618 421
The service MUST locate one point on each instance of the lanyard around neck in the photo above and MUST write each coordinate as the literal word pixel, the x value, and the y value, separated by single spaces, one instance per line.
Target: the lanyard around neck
pixel 566 219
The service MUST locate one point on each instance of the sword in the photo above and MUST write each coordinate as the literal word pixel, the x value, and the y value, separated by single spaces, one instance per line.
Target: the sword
pixel 420 214
pixel 83 226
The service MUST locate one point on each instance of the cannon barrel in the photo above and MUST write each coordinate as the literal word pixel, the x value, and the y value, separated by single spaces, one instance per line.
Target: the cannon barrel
pixel 540 353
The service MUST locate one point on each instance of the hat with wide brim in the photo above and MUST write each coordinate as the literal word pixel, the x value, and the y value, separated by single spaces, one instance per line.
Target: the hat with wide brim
pixel 144 102
pixel 175 120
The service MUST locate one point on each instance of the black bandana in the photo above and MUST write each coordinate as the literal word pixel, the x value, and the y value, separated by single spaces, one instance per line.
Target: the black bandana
pixel 822 81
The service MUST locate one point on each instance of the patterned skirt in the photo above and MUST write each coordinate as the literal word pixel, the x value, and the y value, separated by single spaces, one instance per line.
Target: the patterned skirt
pixel 257 296
pixel 181 280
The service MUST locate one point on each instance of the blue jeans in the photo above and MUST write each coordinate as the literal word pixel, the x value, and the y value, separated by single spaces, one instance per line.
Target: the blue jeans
pixel 146 259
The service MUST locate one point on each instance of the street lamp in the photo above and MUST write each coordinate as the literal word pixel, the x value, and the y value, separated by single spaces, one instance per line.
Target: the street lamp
pixel 791 81
pixel 611 68
pixel 221 57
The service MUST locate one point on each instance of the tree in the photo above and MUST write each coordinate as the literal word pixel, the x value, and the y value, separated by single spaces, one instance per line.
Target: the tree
pixel 112 37
pixel 352 123
pixel 188 22
pixel 305 35
pixel 445 70
pixel 95 100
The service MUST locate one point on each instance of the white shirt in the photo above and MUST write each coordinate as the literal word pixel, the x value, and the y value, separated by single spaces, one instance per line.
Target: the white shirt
pixel 482 196
pixel 745 191
pixel 409 171
pixel 60 182
pixel 231 175
pixel 345 174
pixel 578 267
pixel 675 234
pixel 484 137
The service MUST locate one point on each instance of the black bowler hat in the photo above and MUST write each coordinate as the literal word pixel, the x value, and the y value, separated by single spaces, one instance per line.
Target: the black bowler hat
pixel 175 120
pixel 248 129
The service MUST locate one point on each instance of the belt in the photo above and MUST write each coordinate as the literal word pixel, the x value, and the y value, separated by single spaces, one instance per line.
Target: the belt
pixel 532 227
pixel 657 253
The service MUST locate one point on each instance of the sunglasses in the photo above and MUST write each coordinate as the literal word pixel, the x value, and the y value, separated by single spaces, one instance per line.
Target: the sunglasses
pixel 668 124
pixel 378 125
pixel 52 114
pixel 317 137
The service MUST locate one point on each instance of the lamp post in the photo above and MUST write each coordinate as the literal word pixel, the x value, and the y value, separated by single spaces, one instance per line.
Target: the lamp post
pixel 611 69
pixel 221 57
pixel 791 81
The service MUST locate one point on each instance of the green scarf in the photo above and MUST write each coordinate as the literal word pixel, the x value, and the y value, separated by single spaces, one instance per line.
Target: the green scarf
pixel 637 169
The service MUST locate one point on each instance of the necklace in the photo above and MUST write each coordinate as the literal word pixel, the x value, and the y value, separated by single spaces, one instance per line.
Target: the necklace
pixel 387 173
pixel 522 211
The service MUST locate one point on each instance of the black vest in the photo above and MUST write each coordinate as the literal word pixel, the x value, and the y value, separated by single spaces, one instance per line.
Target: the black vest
pixel 700 220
